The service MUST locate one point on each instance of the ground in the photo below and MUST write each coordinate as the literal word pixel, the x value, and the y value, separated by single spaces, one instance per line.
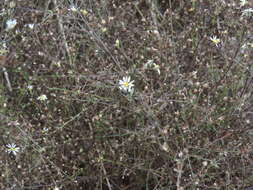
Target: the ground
pixel 133 94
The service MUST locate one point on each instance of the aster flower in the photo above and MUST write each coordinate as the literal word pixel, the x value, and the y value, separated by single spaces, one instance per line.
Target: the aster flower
pixel 73 8
pixel 3 48
pixel 12 148
pixel 151 64
pixel 215 40
pixel 42 97
pixel 157 68
pixel 31 26
pixel 117 43
pixel 30 87
pixel 247 12
pixel 84 12
pixel 243 3
pixel 10 24
pixel 126 84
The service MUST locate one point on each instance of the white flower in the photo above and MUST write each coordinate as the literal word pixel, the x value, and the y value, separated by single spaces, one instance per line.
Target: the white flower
pixel 84 12
pixel 31 26
pixel 126 84
pixel 104 30
pixel 215 40
pixel 151 64
pixel 30 87
pixel 3 48
pixel 243 2
pixel 157 68
pixel 165 147
pixel 3 44
pixel 117 43
pixel 42 97
pixel 10 24
pixel 12 148
pixel 73 8
pixel 3 12
pixel 45 130
pixel 205 163
pixel 12 4
pixel 247 12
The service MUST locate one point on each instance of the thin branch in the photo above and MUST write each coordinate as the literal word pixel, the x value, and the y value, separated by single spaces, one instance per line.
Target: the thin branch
pixel 107 180
pixel 60 23
pixel 6 76
pixel 153 10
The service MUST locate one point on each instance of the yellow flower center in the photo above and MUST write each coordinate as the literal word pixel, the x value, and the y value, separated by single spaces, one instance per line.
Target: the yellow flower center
pixel 126 84
pixel 216 41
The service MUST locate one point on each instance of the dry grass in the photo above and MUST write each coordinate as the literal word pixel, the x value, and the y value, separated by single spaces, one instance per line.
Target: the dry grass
pixel 188 127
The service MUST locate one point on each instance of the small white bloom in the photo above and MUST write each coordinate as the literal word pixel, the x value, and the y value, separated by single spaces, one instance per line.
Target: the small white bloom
pixel 205 163
pixel 215 40
pixel 180 154
pixel 165 147
pixel 157 68
pixel 57 64
pixel 3 48
pixel 29 87
pixel 247 12
pixel 10 24
pixel 73 8
pixel 3 44
pixel 151 64
pixel 103 21
pixel 243 3
pixel 104 29
pixel 117 43
pixel 84 12
pixel 12 148
pixel 42 97
pixel 126 84
pixel 12 4
pixel 31 26
pixel 3 12
pixel 45 130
